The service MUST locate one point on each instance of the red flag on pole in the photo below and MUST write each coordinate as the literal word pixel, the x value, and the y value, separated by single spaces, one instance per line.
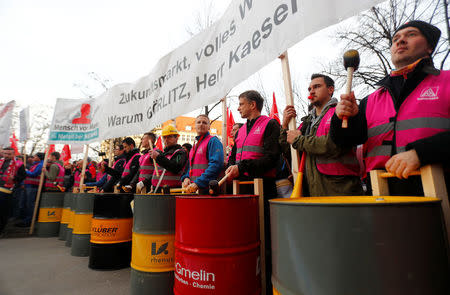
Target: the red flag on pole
pixel 274 111
pixel 159 144
pixel 65 154
pixel 230 122
pixel 51 149
pixel 13 140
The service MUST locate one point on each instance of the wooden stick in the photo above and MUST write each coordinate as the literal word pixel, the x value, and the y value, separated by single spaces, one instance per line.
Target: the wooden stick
pixel 224 127
pixel 259 190
pixel 177 190
pixel 348 90
pixel 83 169
pixel 111 152
pixel 290 101
pixel 154 161
pixel 38 195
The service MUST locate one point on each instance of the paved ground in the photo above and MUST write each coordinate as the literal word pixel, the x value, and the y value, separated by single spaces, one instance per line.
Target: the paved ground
pixel 44 266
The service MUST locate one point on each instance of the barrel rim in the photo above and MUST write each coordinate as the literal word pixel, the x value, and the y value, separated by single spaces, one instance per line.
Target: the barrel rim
pixel 207 197
pixel 371 201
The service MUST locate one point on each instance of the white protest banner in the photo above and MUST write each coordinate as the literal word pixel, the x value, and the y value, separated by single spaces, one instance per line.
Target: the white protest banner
pixel 24 118
pixel 249 35
pixel 6 122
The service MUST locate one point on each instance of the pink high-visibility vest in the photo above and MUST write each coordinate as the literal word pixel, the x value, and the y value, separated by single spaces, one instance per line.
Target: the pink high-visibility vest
pixel 146 167
pixel 33 180
pixel 424 113
pixel 126 169
pixel 77 179
pixel 170 179
pixel 198 158
pixel 59 178
pixel 114 166
pixel 346 164
pixel 251 146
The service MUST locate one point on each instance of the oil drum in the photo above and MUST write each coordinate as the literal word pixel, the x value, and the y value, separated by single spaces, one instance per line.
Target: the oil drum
pixel 69 230
pixel 217 245
pixel 111 231
pixel 65 217
pixel 152 258
pixel 50 211
pixel 358 245
pixel 81 234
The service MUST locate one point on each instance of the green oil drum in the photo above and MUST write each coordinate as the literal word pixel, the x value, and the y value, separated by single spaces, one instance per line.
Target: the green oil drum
pixel 65 217
pixel 50 212
pixel 81 233
pixel 152 258
pixel 358 245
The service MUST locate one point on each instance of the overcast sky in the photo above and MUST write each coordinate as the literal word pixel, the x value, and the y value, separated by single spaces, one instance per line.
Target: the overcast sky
pixel 50 45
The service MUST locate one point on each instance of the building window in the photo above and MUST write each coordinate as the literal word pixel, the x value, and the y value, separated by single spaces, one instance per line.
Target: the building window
pixel 188 128
pixel 213 130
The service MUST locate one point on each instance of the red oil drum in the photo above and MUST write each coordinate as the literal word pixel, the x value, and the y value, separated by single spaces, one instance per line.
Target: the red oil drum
pixel 217 245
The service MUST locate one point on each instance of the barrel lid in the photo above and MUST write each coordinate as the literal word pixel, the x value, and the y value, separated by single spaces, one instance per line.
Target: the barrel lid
pixel 214 197
pixel 353 200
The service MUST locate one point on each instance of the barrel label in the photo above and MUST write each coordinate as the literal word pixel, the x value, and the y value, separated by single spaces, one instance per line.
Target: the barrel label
pixel 153 253
pixel 50 214
pixel 65 218
pixel 82 224
pixel 109 231
pixel 197 278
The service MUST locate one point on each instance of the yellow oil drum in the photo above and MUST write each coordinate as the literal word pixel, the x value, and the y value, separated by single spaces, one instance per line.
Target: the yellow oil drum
pixel 81 233
pixel 65 217
pixel 50 212
pixel 152 256
pixel 358 245
pixel 69 230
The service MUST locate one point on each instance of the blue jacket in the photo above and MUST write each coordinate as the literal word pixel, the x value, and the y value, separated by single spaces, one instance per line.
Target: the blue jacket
pixel 100 182
pixel 215 163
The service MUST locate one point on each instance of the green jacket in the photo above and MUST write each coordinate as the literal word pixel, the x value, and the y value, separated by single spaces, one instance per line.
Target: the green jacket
pixel 319 184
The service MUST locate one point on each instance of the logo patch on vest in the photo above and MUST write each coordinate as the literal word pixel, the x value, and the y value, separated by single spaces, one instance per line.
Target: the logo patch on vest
pixel 257 130
pixel 431 93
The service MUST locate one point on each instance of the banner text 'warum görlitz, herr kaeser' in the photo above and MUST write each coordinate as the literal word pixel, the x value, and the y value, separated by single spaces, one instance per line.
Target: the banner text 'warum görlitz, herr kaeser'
pixel 250 34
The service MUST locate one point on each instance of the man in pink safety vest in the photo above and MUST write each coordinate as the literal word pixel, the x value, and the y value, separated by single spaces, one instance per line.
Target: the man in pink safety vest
pixel 329 169
pixel 146 165
pixel 54 176
pixel 404 124
pixel 131 167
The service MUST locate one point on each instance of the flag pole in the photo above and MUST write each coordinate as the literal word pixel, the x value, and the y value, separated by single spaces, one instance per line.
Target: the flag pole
pixel 289 101
pixel 83 169
pixel 38 195
pixel 111 153
pixel 224 127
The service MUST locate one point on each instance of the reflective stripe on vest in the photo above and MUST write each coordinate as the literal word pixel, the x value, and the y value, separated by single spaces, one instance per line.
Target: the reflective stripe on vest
pixel 200 159
pixel 251 146
pixel 170 179
pixel 126 170
pixel 33 180
pixel 146 167
pixel 424 113
pixel 59 178
pixel 346 164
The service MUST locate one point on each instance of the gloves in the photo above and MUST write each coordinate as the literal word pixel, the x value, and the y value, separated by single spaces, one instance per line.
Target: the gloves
pixel 139 185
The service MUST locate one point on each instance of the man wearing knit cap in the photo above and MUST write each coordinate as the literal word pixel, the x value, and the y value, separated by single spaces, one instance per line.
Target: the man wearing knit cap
pixel 405 124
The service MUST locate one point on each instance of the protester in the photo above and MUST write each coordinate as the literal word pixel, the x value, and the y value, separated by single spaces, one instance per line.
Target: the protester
pixel 55 175
pixel 11 174
pixel 171 162
pixel 116 170
pixel 255 154
pixel 131 167
pixel 205 158
pixel 187 147
pixel 146 166
pixel 330 169
pixel 31 187
pixel 405 123
pixel 101 176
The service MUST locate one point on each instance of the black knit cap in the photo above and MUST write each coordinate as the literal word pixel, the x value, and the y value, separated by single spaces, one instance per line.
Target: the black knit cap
pixel 431 33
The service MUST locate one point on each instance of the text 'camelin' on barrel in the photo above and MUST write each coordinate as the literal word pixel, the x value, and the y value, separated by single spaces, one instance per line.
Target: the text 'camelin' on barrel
pixel 217 245
pixel 50 211
pixel 358 245
pixel 153 252
pixel 111 231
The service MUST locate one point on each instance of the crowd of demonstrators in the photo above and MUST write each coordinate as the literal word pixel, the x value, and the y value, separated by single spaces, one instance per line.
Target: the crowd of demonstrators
pixel 205 159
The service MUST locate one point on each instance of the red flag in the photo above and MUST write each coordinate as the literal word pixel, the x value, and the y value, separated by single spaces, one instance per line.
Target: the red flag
pixel 274 111
pixel 159 144
pixel 51 149
pixel 13 140
pixel 65 154
pixel 230 122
